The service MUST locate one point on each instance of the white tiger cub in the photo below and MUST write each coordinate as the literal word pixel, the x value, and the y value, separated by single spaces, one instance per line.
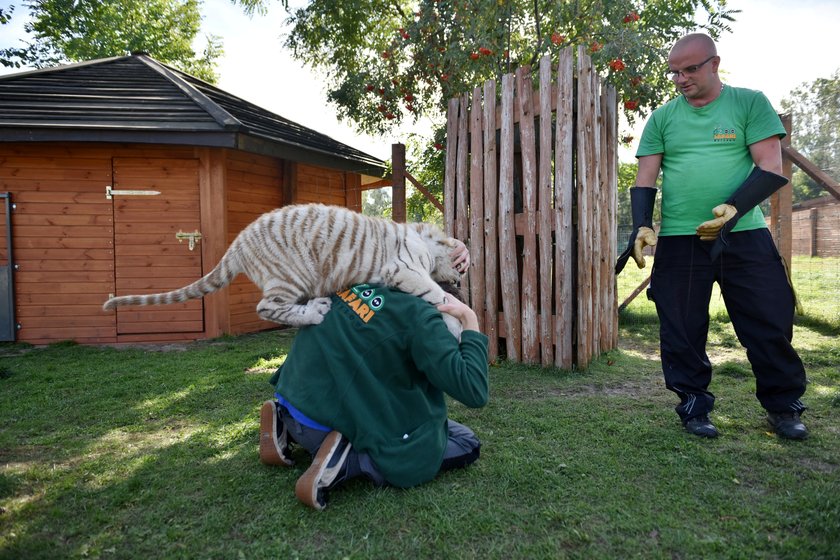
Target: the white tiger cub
pixel 299 255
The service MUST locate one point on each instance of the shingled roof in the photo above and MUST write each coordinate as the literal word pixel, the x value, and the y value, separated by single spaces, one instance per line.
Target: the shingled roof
pixel 138 99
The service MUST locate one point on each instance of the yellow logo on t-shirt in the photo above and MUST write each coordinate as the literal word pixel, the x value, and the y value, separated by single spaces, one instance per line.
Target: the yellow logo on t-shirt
pixel 723 134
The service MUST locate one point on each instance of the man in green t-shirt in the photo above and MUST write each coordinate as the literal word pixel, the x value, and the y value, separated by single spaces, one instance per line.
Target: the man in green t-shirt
pixel 364 392
pixel 718 148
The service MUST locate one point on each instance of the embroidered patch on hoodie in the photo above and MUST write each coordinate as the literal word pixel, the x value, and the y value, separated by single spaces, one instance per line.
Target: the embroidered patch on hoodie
pixel 364 300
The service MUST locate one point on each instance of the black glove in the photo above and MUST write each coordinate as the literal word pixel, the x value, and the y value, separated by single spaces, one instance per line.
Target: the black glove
pixel 758 186
pixel 642 200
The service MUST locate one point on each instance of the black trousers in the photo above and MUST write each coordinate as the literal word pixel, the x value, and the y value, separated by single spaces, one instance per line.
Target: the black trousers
pixel 760 303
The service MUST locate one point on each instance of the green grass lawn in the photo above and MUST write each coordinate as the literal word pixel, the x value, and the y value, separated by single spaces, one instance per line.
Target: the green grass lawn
pixel 131 453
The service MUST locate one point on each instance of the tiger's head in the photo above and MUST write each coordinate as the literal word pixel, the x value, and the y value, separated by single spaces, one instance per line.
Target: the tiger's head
pixel 440 246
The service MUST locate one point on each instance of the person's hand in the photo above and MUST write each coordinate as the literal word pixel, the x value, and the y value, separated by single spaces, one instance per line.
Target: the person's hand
pixel 460 257
pixel 645 238
pixel 709 230
pixel 461 311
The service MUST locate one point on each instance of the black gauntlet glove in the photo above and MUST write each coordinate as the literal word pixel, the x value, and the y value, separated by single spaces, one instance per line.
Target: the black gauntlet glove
pixel 756 187
pixel 642 200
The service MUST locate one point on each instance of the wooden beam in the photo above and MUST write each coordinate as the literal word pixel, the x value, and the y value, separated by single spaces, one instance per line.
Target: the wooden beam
pixel 635 293
pixel 290 182
pixel 462 173
pixel 545 195
pixel 814 172
pixel 378 184
pixel 563 203
pixel 491 220
pixel 509 277
pixel 353 191
pixel 449 177
pixel 212 184
pixel 398 189
pixel 781 203
pixel 476 202
pixel 432 198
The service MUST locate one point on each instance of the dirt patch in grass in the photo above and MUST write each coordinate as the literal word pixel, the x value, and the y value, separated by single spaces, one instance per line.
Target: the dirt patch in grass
pixel 638 343
pixel 627 389
pixel 819 466
pixel 634 388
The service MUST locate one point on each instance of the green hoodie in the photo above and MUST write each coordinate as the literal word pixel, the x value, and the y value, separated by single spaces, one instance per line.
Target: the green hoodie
pixel 377 369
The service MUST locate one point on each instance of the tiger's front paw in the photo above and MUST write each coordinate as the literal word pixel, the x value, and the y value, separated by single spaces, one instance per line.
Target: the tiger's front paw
pixel 315 310
pixel 453 324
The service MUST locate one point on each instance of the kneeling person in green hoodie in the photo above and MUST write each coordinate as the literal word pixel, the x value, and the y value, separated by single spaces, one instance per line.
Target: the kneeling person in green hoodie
pixel 364 393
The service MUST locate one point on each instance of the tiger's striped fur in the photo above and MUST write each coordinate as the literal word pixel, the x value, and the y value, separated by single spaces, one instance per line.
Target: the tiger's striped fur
pixel 301 254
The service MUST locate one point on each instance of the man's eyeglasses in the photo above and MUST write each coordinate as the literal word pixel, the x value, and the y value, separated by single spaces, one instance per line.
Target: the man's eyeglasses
pixel 688 70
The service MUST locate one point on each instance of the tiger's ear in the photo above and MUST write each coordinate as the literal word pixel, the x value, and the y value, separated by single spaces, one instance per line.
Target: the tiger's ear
pixel 430 231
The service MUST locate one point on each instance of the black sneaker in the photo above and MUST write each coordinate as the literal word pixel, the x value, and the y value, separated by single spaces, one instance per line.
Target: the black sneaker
pixel 787 425
pixel 701 426
pixel 311 488
pixel 274 438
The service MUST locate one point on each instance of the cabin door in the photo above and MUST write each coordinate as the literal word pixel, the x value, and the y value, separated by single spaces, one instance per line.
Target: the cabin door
pixel 156 241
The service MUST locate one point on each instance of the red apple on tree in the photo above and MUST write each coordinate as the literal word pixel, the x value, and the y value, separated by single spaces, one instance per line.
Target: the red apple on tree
pixel 617 64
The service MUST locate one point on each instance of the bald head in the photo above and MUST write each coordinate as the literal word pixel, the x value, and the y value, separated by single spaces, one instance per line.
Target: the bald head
pixel 695 42
pixel 693 66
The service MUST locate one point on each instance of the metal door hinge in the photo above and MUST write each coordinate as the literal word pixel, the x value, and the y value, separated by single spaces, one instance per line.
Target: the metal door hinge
pixel 111 193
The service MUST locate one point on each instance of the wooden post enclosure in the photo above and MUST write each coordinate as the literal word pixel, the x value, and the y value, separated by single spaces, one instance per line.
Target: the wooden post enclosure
pixel 781 202
pixel 530 185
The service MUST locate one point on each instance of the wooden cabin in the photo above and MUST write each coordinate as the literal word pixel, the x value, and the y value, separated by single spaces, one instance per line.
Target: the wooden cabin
pixel 125 176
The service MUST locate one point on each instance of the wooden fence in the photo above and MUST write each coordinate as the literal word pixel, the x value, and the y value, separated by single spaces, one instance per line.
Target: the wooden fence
pixel 530 185
pixel 814 231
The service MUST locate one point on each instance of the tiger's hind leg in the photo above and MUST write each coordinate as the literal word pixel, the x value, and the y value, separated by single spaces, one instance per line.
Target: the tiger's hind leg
pixel 277 310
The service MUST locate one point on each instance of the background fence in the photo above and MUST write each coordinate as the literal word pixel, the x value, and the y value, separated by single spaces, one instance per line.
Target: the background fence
pixel 530 185
pixel 816 228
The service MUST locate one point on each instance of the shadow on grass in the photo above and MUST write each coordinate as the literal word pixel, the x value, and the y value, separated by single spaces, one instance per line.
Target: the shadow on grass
pixel 818 324
pixel 734 370
pixel 153 503
pixel 629 317
pixel 825 355
pixel 134 454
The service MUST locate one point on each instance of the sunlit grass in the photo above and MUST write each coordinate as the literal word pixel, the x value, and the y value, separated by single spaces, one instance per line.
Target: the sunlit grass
pixel 129 454
pixel 267 364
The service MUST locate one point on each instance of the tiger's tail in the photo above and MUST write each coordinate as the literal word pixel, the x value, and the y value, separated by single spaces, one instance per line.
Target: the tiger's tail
pixel 222 275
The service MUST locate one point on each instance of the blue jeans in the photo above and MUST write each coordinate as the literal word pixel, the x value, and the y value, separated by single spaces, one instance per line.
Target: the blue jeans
pixel 462 448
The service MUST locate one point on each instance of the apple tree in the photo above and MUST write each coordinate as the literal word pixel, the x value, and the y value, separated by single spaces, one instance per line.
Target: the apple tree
pixel 389 61
pixel 392 61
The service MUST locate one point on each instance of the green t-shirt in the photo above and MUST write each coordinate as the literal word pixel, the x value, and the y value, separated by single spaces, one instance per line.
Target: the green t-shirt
pixel 706 154
pixel 377 370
